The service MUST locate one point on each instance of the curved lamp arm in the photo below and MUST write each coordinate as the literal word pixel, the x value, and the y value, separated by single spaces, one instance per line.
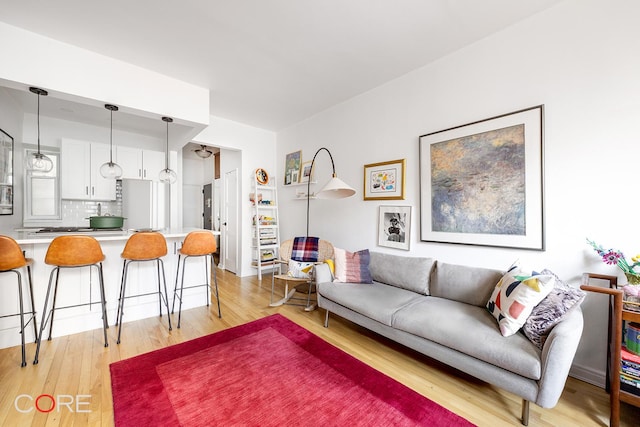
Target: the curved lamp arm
pixel 334 189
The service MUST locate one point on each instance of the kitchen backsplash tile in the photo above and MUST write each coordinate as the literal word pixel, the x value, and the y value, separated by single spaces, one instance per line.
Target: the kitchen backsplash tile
pixel 76 212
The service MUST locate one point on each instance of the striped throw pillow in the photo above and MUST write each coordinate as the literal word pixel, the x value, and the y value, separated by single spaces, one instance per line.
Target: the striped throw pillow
pixel 352 267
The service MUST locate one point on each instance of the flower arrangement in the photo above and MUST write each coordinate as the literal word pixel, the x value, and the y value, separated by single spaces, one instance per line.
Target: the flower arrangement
pixel 616 257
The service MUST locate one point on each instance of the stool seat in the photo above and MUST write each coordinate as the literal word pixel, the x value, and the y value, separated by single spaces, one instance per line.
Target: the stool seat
pixel 199 243
pixel 72 251
pixel 12 259
pixel 140 247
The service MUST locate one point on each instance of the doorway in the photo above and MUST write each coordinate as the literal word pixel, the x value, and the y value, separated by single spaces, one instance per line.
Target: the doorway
pixel 230 221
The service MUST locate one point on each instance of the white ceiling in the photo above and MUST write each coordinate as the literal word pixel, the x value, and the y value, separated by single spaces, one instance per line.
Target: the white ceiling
pixel 272 63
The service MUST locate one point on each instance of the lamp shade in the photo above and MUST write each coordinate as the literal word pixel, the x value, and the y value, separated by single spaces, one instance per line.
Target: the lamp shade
pixel 335 189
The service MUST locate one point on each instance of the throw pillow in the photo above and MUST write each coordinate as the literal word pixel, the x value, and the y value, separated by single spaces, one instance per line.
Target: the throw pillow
pixel 352 267
pixel 515 295
pixel 551 310
pixel 300 270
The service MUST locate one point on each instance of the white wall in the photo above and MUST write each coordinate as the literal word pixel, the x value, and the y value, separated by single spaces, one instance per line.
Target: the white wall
pixel 580 60
pixel 258 150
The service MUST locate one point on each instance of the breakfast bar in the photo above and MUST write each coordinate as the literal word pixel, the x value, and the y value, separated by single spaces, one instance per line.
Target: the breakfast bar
pixel 80 285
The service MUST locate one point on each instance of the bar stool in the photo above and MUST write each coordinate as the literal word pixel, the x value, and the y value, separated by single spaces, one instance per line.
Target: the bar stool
pixel 72 251
pixel 199 243
pixel 140 247
pixel 12 260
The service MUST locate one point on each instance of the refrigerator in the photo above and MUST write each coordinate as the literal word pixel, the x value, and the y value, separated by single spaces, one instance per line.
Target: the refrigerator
pixel 145 204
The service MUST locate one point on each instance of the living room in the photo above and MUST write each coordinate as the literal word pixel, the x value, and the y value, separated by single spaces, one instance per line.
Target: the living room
pixel 577 58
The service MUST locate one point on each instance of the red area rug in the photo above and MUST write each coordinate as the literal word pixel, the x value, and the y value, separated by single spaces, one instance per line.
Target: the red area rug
pixel 270 372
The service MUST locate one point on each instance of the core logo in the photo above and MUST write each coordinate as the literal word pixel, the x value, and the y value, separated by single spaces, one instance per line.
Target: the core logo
pixel 46 403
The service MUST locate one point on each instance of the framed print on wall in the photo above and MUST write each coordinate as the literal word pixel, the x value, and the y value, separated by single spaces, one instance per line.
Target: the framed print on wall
pixel 292 164
pixel 394 227
pixel 483 183
pixel 384 181
pixel 306 172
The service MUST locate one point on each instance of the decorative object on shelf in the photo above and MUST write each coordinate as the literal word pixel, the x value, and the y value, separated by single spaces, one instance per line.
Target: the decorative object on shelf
pixel 6 173
pixel 468 170
pixel 334 189
pixel 292 164
pixel 38 161
pixel 167 175
pixel 394 227
pixel 384 180
pixel 111 170
pixel 305 172
pixel 203 152
pixel 631 295
pixel 262 176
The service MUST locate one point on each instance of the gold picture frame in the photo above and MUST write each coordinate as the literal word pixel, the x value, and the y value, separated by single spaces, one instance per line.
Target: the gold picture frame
pixel 384 180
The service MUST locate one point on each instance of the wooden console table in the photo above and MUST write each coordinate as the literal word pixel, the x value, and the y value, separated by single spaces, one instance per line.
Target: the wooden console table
pixel 617 315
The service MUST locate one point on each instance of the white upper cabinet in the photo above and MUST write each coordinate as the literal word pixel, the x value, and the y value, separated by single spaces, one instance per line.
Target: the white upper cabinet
pixel 80 163
pixel 139 164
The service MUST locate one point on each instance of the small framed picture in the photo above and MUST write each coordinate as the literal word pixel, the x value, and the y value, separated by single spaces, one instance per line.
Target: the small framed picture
pixel 394 227
pixel 292 164
pixel 384 181
pixel 306 174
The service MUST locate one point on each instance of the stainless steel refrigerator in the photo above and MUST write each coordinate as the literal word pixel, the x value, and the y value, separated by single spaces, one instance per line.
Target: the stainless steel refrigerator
pixel 145 204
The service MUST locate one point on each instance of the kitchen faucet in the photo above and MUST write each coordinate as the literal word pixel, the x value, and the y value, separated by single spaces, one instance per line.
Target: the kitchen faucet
pixel 99 209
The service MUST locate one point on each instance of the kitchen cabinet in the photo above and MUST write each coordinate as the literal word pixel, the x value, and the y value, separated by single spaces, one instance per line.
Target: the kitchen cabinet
pixel 139 164
pixel 80 171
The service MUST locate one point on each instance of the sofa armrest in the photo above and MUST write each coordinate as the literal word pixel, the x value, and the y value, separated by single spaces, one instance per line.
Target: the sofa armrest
pixel 322 273
pixel 557 357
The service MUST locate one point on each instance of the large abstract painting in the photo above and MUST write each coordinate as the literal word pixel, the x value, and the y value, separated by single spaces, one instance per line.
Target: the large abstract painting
pixel 482 183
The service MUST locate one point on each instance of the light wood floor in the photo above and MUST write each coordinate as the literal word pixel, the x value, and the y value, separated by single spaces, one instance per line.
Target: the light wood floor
pixel 79 365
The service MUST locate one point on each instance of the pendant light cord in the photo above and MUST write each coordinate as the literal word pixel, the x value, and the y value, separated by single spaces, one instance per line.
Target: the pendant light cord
pixel 38 124
pixel 111 139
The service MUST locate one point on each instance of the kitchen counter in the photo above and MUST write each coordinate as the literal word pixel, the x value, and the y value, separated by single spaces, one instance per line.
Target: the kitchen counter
pixel 78 285
pixel 26 236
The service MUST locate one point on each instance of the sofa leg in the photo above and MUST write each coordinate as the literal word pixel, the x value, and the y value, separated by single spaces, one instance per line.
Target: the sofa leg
pixel 525 412
pixel 326 319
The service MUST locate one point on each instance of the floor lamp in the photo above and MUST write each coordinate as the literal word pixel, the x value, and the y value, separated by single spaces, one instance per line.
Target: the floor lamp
pixel 334 189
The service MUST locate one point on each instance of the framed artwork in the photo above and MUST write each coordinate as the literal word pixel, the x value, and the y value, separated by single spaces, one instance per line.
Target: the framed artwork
pixel 262 176
pixel 6 173
pixel 483 183
pixel 306 172
pixel 394 227
pixel 292 165
pixel 384 181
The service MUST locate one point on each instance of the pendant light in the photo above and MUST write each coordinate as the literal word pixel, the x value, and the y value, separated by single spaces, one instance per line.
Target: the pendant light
pixel 37 161
pixel 203 152
pixel 167 175
pixel 111 170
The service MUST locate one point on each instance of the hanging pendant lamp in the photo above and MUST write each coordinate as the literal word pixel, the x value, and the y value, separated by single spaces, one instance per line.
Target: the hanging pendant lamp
pixel 167 175
pixel 37 161
pixel 111 170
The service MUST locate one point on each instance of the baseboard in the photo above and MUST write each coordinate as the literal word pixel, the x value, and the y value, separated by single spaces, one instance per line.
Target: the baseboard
pixel 589 375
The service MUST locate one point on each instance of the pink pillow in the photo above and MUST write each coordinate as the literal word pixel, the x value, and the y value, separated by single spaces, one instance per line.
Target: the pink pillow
pixel 352 267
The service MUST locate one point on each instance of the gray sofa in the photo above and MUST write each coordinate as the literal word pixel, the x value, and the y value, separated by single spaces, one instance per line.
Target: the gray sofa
pixel 438 309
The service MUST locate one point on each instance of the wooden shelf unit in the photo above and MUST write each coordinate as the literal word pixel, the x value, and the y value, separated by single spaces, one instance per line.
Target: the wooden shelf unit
pixel 617 316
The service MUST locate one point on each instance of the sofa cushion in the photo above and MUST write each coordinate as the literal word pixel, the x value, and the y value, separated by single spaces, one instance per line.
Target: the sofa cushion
pixel 515 295
pixel 375 301
pixel 411 273
pixel 470 330
pixel 471 285
pixel 561 300
pixel 352 267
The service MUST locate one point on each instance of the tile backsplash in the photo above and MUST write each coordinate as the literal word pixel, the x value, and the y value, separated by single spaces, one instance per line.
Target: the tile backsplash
pixel 76 212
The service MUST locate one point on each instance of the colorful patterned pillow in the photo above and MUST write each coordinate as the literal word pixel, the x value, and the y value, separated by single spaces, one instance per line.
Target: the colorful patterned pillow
pixel 515 295
pixel 561 300
pixel 299 270
pixel 352 267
